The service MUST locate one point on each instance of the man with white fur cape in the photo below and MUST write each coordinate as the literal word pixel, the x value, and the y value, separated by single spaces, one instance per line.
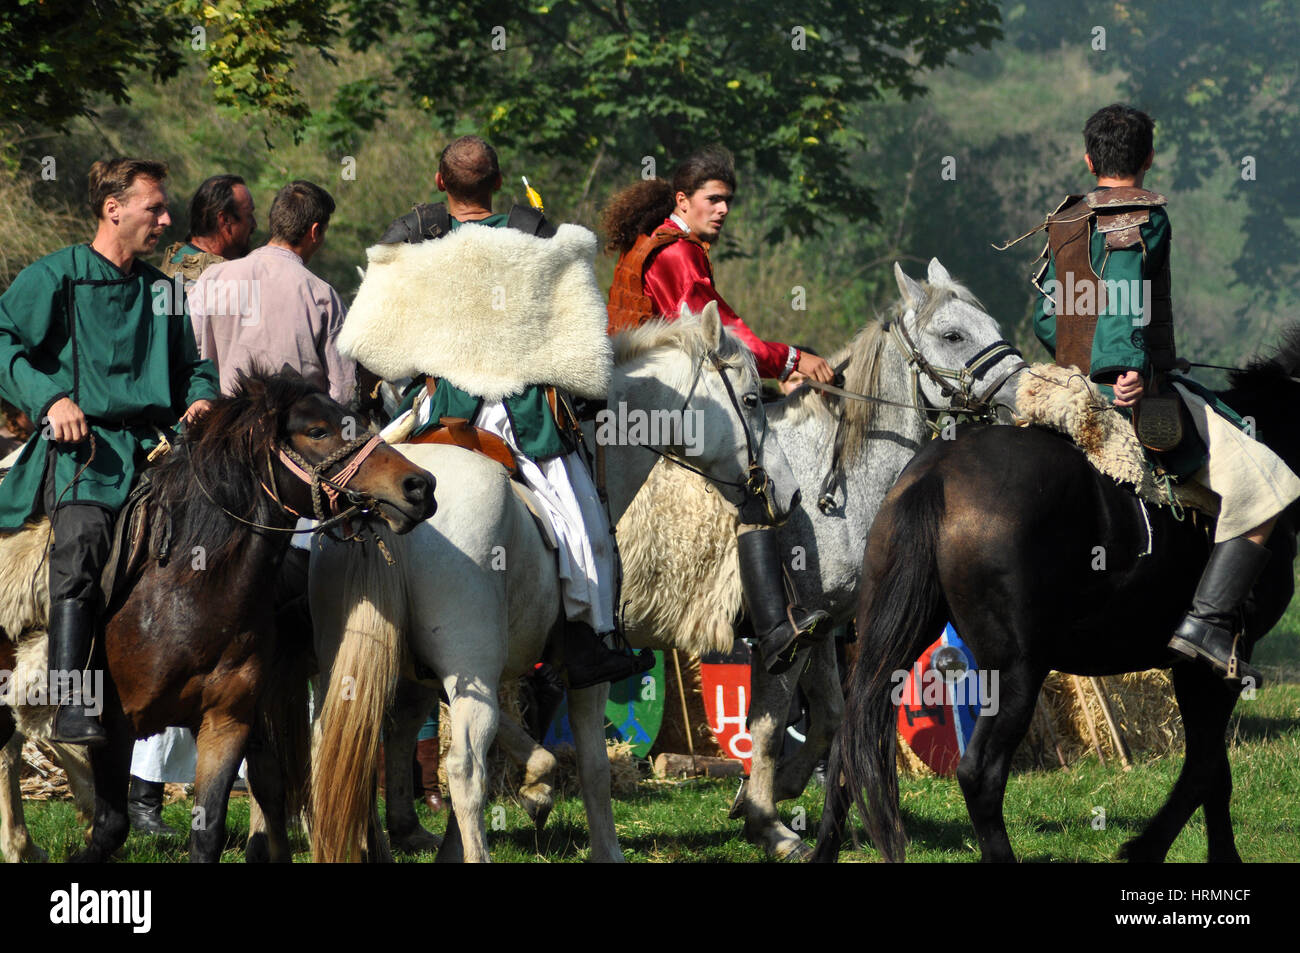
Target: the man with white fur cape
pixel 492 309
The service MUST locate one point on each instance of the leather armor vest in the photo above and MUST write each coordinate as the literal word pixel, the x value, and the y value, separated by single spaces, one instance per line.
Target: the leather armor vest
pixel 629 305
pixel 1119 214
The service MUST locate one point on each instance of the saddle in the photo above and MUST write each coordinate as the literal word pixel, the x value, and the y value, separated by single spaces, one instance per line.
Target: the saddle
pixel 141 533
pixel 458 432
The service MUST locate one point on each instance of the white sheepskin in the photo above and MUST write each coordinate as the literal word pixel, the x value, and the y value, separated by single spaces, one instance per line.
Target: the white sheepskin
pixel 681 572
pixel 492 310
pixel 1063 399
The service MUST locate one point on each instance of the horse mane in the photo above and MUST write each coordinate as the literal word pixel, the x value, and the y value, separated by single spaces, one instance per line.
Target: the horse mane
pixel 856 419
pixel 224 454
pixel 686 334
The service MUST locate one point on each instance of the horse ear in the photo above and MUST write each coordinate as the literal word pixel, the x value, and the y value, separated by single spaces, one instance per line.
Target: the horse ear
pixel 288 370
pixel 912 292
pixel 938 274
pixel 711 324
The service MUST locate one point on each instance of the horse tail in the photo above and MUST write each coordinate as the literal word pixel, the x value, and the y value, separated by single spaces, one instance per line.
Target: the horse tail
pixel 900 616
pixel 361 687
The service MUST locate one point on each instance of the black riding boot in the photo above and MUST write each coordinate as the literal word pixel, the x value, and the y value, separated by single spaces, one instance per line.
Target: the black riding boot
pixel 71 630
pixel 588 661
pixel 777 624
pixel 1206 631
pixel 144 807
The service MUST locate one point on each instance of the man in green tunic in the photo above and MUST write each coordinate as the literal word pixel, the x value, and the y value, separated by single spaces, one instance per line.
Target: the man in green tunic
pixel 1106 309
pixel 546 452
pixel 97 349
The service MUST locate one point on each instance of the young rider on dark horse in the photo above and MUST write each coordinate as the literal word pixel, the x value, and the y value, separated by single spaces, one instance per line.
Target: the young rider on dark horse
pixel 1105 309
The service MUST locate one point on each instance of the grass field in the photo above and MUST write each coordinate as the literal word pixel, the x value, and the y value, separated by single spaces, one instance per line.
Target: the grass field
pixel 1051 815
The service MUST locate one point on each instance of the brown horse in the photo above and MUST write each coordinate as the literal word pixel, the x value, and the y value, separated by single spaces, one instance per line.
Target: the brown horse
pixel 192 639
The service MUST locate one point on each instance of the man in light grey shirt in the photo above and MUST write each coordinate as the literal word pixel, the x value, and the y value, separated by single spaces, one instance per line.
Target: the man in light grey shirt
pixel 267 308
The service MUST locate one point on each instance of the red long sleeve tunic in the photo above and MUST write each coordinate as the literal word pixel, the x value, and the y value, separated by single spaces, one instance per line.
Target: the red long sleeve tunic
pixel 681 274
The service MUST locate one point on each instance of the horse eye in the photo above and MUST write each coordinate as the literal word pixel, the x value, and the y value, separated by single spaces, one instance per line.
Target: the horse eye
pixel 952 337
pixel 318 433
pixel 750 401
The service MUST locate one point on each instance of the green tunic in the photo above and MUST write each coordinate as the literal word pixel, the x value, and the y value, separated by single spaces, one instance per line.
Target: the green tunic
pixel 538 436
pixel 1118 344
pixel 72 325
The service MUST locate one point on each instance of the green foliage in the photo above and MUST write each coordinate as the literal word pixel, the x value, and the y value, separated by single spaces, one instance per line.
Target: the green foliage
pixel 777 82
pixel 59 56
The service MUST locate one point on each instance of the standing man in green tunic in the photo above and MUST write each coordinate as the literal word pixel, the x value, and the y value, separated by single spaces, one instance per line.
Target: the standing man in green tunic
pixel 97 349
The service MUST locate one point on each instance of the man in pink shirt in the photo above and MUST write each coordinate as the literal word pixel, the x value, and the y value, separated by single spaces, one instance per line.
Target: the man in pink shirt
pixel 267 308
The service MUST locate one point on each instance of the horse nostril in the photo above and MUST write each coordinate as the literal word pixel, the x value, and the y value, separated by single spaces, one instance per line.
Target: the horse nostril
pixel 417 488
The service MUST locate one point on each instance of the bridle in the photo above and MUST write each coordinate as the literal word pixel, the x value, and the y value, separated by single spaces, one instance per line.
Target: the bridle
pixel 325 491
pixel 957 385
pixel 757 483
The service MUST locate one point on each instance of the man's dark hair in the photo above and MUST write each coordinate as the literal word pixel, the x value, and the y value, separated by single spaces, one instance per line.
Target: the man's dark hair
pixel 704 166
pixel 296 208
pixel 114 178
pixel 214 196
pixel 469 169
pixel 1119 139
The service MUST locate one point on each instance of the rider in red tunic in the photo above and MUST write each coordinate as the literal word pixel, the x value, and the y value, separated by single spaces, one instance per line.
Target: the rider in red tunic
pixel 662 232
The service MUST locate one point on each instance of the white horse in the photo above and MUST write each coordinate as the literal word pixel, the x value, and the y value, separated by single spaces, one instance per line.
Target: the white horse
pixel 474 594
pixel 937 324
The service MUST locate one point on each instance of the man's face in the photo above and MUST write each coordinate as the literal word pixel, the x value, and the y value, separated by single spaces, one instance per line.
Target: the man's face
pixel 237 233
pixel 140 215
pixel 705 209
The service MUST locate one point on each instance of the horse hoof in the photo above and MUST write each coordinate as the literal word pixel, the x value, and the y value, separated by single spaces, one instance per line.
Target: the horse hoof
pixel 418 841
pixel 738 804
pixel 1136 852
pixel 257 850
pixel 538 807
pixel 793 851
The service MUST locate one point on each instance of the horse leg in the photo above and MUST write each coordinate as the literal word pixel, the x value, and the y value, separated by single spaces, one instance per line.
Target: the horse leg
pixel 538 789
pixel 767 713
pixel 474 717
pixel 16 843
pixel 268 821
pixel 75 760
pixel 983 770
pixel 821 684
pixel 1205 704
pixel 587 718
pixel 110 765
pixel 411 706
pixel 452 850
pixel 221 741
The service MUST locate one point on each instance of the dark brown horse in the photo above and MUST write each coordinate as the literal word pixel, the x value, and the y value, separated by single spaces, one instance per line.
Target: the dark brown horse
pixel 997 531
pixel 192 640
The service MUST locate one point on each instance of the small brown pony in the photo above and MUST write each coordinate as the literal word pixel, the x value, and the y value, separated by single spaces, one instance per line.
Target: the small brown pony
pixel 191 640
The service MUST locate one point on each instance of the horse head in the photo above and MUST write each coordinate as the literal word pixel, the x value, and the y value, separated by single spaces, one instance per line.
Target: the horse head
pixel 701 386
pixel 956 348
pixel 305 451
